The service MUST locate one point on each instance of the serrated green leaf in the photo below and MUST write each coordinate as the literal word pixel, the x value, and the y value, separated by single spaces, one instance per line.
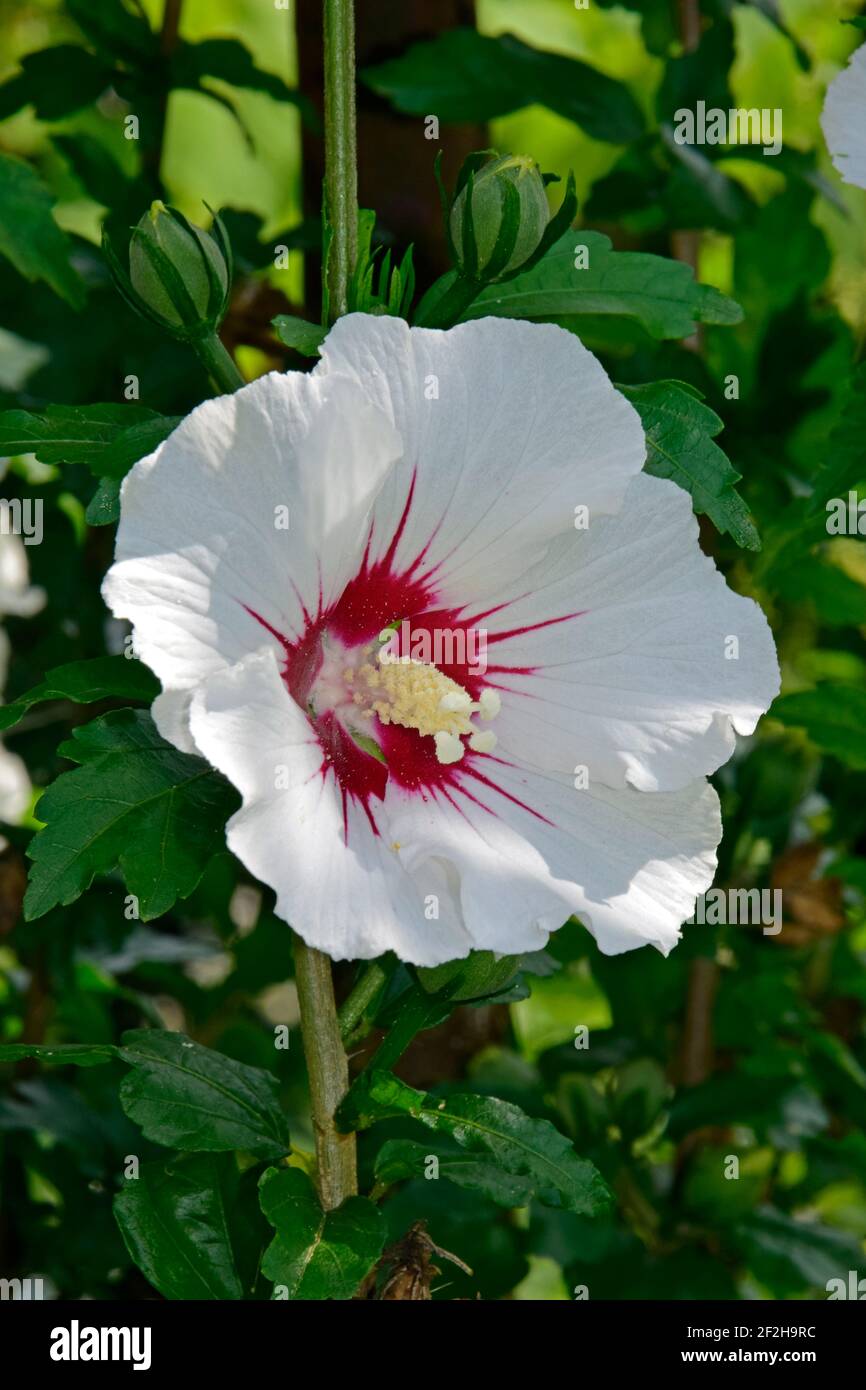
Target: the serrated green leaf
pixel 680 432
pixel 497 1132
pixel 135 803
pixel 317 1254
pixel 833 716
pixel 303 337
pixel 174 1221
pixel 466 76
pixel 108 438
pixel 29 236
pixel 102 678
pixel 662 295
pixel 187 1096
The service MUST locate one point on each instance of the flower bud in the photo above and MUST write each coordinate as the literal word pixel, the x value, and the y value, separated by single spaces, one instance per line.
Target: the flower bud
pixel 179 275
pixel 499 217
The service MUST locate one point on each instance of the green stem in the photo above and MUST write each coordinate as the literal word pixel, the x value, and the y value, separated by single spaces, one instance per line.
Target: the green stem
pixel 327 1064
pixel 355 1006
pixel 328 1071
pixel 341 178
pixel 219 362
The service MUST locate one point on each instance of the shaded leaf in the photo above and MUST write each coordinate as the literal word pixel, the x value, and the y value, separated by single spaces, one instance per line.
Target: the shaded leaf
pixel 317 1254
pixel 187 1096
pixel 466 76
pixel 401 1159
pixel 55 82
pixel 833 716
pixel 135 803
pixel 29 236
pixel 102 678
pixel 173 1219
pixel 494 1131
pixel 59 1054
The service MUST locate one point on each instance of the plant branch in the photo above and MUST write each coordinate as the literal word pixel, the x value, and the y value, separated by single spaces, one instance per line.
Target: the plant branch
pixel 328 1071
pixel 341 177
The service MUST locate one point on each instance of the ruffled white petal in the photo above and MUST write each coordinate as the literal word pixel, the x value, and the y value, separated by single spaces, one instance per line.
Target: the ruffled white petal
pixel 844 119
pixel 342 886
pixel 507 427
pixel 536 850
pixel 498 870
pixel 664 662
pixel 257 503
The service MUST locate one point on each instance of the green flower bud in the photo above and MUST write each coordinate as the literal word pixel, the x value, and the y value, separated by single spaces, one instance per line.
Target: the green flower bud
pixel 179 275
pixel 503 210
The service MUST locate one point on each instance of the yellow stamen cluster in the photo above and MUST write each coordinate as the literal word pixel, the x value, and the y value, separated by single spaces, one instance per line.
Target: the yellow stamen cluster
pixel 418 696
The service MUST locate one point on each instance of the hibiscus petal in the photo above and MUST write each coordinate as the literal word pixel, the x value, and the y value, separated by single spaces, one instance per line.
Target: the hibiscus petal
pixel 661 663
pixel 251 516
pixel 507 427
pixel 338 880
pixel 530 850
pixel 844 120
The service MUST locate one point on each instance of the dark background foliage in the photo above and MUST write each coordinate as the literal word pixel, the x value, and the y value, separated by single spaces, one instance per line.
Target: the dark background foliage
pixel 742 1044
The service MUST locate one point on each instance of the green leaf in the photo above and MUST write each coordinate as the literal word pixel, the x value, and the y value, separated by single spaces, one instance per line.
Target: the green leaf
pixel 60 1054
pixel 187 1096
pixel 402 1159
pixel 135 803
pixel 108 438
pixel 680 432
pixel 55 82
pixel 466 76
pixel 317 1254
pixel 103 678
pixel 662 295
pixel 29 236
pixel 103 509
pixel 481 974
pixel 174 1220
pixel 305 338
pixel 229 61
pixel 494 1131
pixel 796 1254
pixel 846 447
pixel 833 716
pixel 180 1093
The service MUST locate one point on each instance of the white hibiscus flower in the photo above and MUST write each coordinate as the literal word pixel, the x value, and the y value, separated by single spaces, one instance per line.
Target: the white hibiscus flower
pixel 844 119
pixel 434 805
